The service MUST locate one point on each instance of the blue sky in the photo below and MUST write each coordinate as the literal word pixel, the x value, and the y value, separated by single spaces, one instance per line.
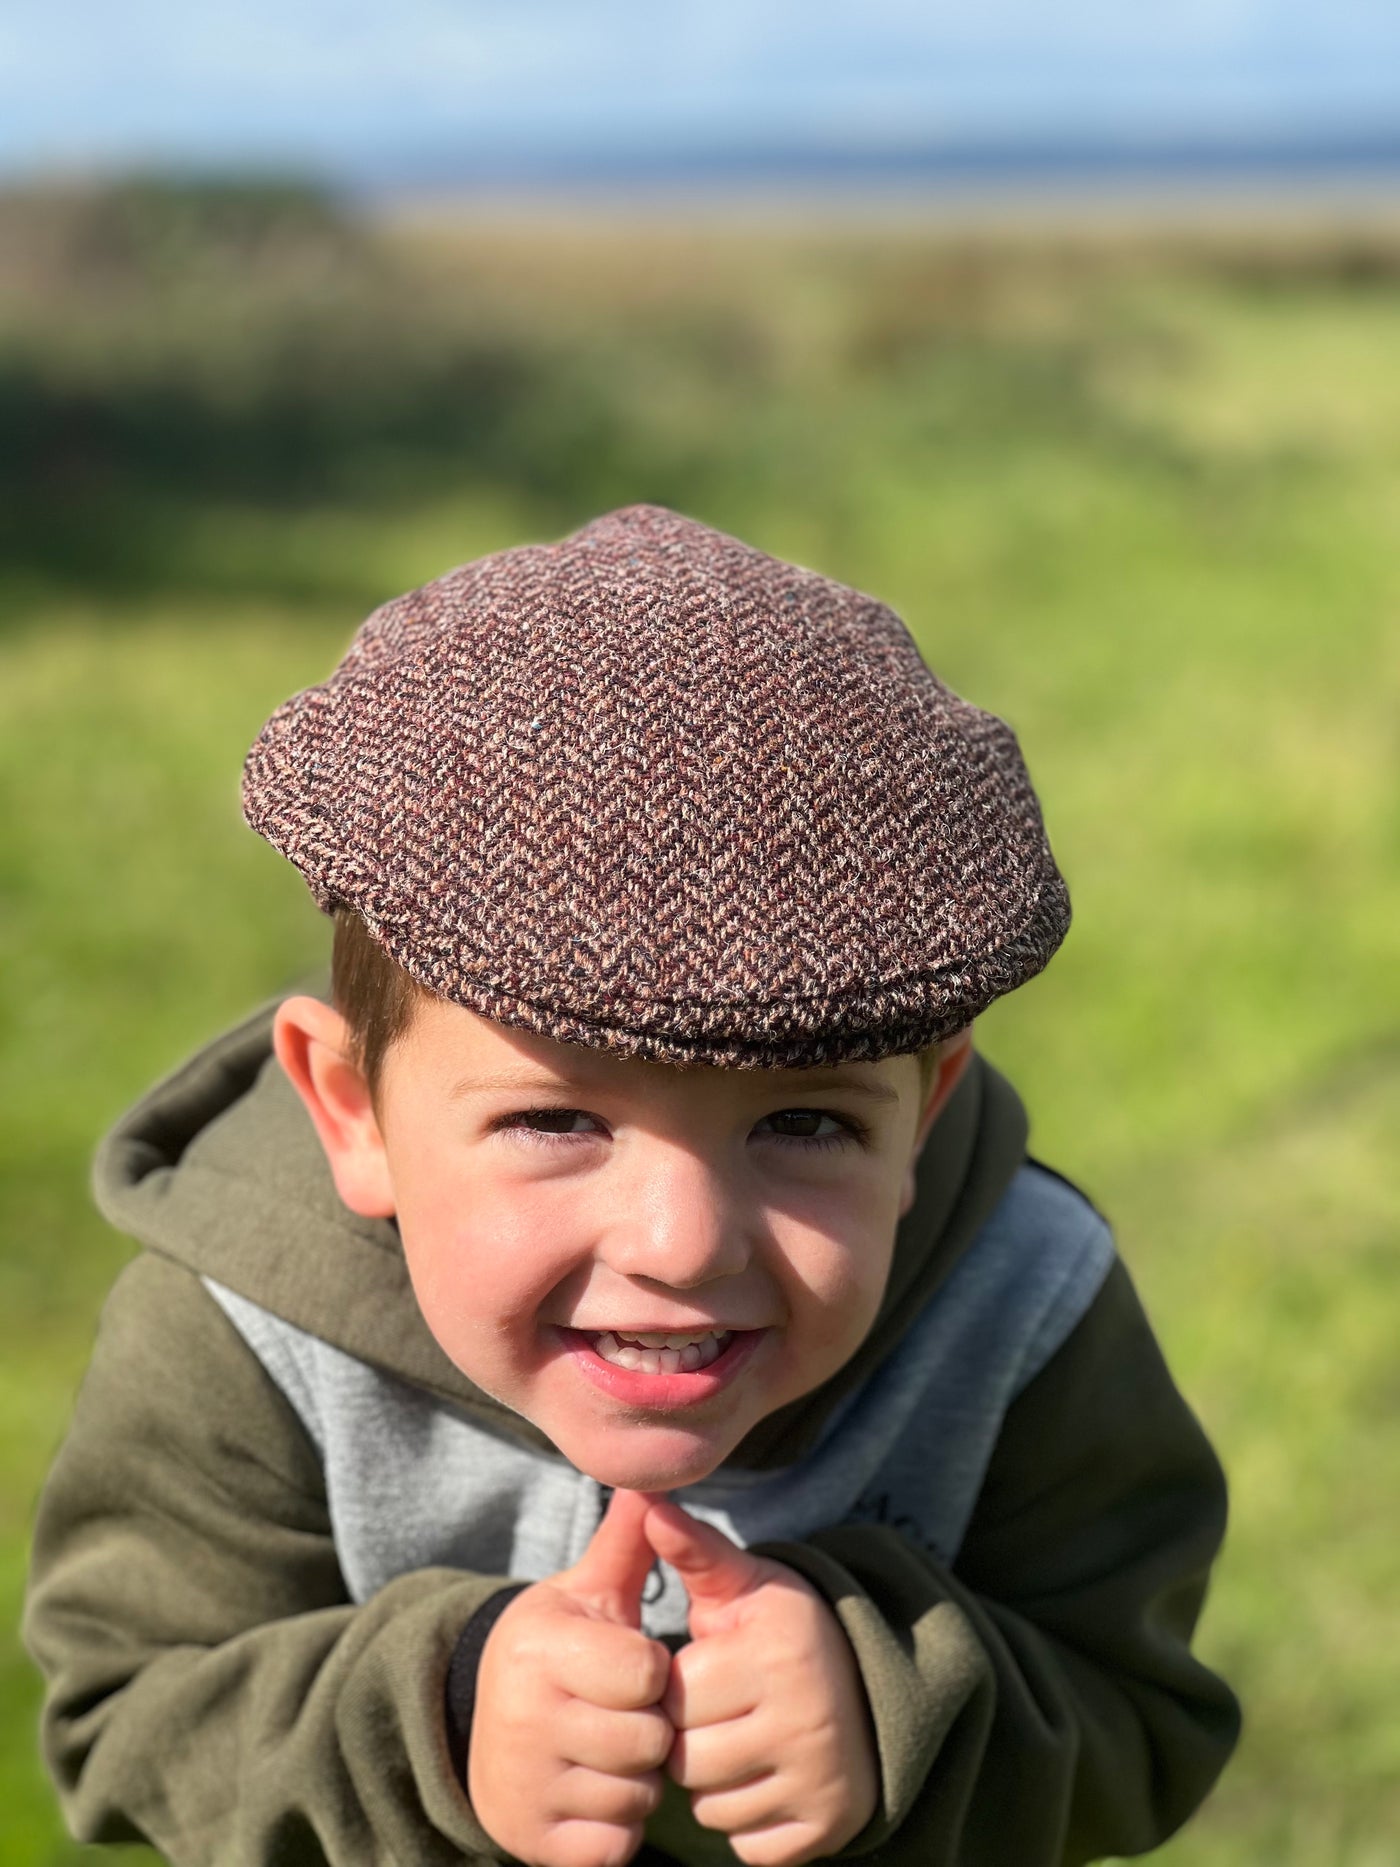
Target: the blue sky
pixel 350 85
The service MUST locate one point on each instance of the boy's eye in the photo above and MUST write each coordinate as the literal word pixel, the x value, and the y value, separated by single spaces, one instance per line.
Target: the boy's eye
pixel 806 1125
pixel 541 1122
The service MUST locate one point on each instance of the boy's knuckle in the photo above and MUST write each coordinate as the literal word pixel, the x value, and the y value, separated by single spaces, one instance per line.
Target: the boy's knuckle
pixel 753 1850
pixel 569 1648
pixel 658 1669
pixel 613 1844
pixel 588 1844
pixel 609 1797
pixel 692 1668
pixel 708 1811
pixel 621 1845
pixel 777 1849
pixel 629 1799
pixel 647 1797
pixel 528 1644
pixel 558 1847
pixel 641 1677
pixel 653 1740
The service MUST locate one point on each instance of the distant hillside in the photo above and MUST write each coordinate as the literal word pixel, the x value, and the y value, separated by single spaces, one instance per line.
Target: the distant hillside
pixel 1270 165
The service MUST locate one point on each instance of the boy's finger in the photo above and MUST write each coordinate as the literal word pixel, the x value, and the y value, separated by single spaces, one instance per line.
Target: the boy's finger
pixel 713 1681
pixel 716 1756
pixel 623 1743
pixel 714 1570
pixel 612 1571
pixel 594 1795
pixel 574 1839
pixel 761 1803
pixel 609 1666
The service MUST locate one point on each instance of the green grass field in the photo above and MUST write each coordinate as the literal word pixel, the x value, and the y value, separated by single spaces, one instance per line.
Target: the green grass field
pixel 1145 507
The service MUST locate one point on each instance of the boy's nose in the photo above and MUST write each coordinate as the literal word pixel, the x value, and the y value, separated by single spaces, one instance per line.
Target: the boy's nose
pixel 677 1223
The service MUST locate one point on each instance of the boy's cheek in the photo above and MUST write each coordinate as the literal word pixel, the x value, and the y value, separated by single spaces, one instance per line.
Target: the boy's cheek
pixel 482 1300
pixel 842 1278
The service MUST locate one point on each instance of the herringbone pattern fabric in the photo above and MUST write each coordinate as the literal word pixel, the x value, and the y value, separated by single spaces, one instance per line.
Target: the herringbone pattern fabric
pixel 651 790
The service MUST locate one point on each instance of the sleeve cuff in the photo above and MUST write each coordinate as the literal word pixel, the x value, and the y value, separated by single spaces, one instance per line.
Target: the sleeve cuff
pixel 462 1670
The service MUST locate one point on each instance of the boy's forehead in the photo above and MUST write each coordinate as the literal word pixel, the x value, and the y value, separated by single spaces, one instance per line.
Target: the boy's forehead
pixel 474 1055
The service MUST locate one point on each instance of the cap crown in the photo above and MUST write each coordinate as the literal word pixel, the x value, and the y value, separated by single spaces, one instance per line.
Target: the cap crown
pixel 651 790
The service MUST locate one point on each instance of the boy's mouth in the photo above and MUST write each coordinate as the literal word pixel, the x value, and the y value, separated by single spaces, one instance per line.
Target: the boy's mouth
pixel 651 1369
pixel 652 1353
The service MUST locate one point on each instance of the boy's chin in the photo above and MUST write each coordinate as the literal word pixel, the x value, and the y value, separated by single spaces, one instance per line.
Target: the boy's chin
pixel 642 1467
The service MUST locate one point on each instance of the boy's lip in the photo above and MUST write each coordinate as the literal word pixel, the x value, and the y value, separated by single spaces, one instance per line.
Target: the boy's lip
pixel 631 1330
pixel 664 1392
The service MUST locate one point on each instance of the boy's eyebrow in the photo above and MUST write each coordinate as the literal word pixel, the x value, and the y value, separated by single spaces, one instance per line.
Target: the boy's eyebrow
pixel 509 1079
pixel 849 1086
pixel 553 1085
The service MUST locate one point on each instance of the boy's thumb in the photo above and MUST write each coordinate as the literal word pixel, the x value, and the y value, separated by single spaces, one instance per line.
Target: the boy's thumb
pixel 715 1570
pixel 612 1571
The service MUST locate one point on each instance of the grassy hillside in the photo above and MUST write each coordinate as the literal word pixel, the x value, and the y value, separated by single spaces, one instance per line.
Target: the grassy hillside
pixel 1140 501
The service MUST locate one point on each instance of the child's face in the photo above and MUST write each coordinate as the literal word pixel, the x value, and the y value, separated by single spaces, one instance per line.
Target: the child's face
pixel 558 1203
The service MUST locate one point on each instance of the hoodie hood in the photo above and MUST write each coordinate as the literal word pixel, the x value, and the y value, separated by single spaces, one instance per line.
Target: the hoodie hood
pixel 219 1168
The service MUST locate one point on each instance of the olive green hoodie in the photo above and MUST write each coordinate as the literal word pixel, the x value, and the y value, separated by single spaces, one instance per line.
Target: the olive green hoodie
pixel 216 1688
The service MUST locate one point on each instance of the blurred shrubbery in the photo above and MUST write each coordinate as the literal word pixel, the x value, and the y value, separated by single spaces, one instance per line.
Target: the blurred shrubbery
pixel 202 339
pixel 163 342
pixel 257 341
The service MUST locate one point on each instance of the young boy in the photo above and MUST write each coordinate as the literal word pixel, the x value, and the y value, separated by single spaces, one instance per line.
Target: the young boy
pixel 610 1384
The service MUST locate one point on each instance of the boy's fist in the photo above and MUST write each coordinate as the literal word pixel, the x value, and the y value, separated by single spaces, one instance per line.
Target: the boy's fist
pixel 773 1735
pixel 568 1737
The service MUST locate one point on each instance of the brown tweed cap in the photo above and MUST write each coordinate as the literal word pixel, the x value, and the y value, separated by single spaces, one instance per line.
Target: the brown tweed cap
pixel 653 791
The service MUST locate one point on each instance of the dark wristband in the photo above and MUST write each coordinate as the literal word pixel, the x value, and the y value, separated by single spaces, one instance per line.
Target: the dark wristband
pixel 462 1671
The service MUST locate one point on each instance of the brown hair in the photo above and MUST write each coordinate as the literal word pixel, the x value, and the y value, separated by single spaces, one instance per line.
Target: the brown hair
pixel 372 992
pixel 377 999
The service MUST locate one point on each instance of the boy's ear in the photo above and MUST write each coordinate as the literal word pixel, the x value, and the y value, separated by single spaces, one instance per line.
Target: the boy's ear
pixel 312 1042
pixel 955 1053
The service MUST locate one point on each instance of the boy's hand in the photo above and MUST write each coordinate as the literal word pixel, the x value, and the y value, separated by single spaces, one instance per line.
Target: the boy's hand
pixel 567 1736
pixel 773 1734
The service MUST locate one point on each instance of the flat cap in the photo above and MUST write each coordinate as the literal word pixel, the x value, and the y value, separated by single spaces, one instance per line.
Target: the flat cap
pixel 653 791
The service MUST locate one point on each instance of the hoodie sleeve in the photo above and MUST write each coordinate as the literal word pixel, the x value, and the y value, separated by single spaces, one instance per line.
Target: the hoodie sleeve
pixel 1037 1700
pixel 210 1688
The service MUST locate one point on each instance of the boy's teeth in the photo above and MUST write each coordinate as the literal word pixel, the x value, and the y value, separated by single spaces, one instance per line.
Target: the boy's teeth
pixel 652 1353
